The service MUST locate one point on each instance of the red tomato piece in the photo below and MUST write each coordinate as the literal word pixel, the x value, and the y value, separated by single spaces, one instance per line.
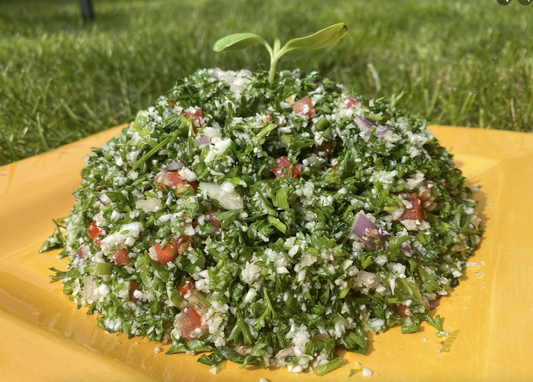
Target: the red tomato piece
pixel 402 310
pixel 121 257
pixel 197 116
pixel 266 118
pixel 170 179
pixel 212 219
pixel 169 251
pixel 185 288
pixel 304 107
pixel 349 102
pixel 334 168
pixel 134 285
pixel 415 212
pixel 282 166
pixel 189 323
pixel 283 162
pixel 326 149
pixel 94 232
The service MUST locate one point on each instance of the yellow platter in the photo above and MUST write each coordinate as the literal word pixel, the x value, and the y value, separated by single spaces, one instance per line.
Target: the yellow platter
pixel 43 337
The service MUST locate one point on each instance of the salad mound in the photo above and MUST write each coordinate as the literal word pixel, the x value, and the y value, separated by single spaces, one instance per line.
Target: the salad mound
pixel 267 224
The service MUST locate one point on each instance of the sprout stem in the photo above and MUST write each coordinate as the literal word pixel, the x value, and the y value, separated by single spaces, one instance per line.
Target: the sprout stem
pixel 272 75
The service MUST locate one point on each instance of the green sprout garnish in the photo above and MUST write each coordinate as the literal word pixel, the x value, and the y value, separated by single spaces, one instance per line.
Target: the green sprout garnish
pixel 319 40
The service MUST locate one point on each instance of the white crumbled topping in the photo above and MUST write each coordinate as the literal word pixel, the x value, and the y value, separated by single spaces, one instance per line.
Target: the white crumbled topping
pixel 411 225
pixel 250 273
pixel 414 181
pixel 187 175
pixel 367 372
pixel 250 295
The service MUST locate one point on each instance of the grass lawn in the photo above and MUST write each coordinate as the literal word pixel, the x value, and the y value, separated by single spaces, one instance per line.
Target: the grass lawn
pixel 466 63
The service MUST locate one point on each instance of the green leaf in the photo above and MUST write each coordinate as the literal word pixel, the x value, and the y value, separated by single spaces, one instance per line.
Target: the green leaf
pixel 277 223
pixel 55 240
pixel 211 360
pixel 238 41
pixel 282 197
pixel 316 346
pixel 228 217
pixel 318 40
pixel 229 354
pixel 354 371
pixel 58 274
pixel 335 363
pixel 434 322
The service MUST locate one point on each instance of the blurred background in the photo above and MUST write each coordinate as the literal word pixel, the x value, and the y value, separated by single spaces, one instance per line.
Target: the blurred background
pixel 463 63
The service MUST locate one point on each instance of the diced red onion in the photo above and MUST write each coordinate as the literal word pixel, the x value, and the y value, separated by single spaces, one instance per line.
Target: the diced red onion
pixel 287 352
pixel 382 131
pixel 406 247
pixel 101 200
pixel 364 123
pixel 367 231
pixel 173 166
pixel 204 140
pixel 82 252
pixel 320 336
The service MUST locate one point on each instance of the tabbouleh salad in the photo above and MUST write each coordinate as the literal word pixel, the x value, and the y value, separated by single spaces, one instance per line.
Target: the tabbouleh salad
pixel 267 224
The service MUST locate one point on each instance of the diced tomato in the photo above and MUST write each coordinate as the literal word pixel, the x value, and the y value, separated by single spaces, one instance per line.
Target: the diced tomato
pixel 281 170
pixel 189 323
pixel 185 288
pixel 212 219
pixel 169 251
pixel 402 310
pixel 349 102
pixel 194 185
pixel 121 257
pixel 283 162
pixel 334 168
pixel 415 212
pixel 304 107
pixel 326 149
pixel 170 179
pixel 266 118
pixel 197 116
pixel 134 285
pixel 94 232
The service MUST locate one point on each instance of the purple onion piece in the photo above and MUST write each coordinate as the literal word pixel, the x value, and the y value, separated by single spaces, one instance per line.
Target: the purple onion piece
pixel 173 166
pixel 287 352
pixel 382 131
pixel 100 200
pixel 368 232
pixel 82 252
pixel 406 247
pixel 363 123
pixel 204 140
